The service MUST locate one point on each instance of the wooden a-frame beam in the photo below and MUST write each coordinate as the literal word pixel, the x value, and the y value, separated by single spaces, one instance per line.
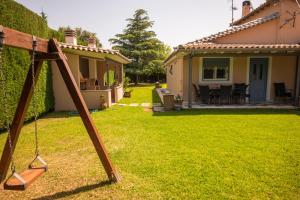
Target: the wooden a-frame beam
pixel 19 118
pixel 22 40
pixel 83 111
pixel 49 50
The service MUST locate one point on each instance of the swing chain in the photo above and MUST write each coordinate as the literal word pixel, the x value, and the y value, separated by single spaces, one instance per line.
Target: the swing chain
pixel 34 45
pixel 5 106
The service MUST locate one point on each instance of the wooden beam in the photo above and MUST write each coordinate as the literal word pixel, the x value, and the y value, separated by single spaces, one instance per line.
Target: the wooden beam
pixel 83 111
pixel 48 56
pixel 19 117
pixel 22 40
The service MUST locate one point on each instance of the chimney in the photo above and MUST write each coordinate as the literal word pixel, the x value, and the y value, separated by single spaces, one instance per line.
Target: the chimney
pixel 92 42
pixel 246 8
pixel 70 37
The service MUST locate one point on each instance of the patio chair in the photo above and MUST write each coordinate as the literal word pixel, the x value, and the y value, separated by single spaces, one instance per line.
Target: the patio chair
pixel 240 92
pixel 204 94
pixel 225 94
pixel 281 93
pixel 197 93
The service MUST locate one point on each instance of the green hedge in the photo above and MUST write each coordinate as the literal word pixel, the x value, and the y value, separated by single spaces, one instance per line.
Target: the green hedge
pixel 16 62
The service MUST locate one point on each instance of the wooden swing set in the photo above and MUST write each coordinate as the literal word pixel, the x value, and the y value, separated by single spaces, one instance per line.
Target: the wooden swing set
pixel 40 50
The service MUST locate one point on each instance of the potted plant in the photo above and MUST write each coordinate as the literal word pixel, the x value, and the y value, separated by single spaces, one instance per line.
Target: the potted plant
pixel 178 102
pixel 103 104
pixel 157 84
pixel 127 93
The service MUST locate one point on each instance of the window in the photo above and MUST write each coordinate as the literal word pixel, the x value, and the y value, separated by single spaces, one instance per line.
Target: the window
pixel 216 69
pixel 84 68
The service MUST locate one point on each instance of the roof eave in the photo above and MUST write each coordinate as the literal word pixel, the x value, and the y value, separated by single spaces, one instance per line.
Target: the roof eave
pixel 97 55
pixel 244 51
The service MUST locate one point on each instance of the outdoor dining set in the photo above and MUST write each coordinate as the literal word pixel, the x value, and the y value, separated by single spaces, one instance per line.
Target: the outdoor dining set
pixel 236 93
pixel 219 94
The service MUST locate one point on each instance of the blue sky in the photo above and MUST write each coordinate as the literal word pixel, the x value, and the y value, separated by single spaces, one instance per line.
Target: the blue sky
pixel 176 21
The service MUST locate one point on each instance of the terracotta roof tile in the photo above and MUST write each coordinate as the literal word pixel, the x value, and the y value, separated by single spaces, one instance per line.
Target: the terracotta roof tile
pixel 92 49
pixel 239 46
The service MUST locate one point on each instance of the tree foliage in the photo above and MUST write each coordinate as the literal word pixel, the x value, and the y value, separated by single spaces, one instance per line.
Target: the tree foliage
pixel 139 43
pixel 82 35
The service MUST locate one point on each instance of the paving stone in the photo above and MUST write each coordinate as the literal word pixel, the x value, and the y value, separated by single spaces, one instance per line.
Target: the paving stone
pixel 134 104
pixel 146 104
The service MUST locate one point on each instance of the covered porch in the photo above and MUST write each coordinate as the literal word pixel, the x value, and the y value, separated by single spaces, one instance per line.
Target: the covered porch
pixel 264 76
pixel 98 75
pixel 101 77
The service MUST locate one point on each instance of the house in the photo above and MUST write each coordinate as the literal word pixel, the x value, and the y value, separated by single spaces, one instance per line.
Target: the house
pixel 259 49
pixel 98 73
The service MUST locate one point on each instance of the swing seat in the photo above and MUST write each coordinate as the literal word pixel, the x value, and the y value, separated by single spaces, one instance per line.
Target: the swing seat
pixel 22 181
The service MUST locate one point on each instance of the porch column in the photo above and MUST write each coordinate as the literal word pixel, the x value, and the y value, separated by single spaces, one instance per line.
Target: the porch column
pixel 190 81
pixel 297 86
pixel 121 75
pixel 107 75
pixel 115 71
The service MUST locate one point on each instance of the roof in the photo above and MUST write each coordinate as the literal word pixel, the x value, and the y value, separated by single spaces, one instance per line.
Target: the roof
pixel 241 46
pixel 94 49
pixel 256 10
pixel 235 29
pixel 208 43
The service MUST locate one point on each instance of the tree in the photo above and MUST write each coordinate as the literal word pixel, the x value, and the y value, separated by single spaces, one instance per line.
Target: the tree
pixel 156 66
pixel 140 44
pixel 82 35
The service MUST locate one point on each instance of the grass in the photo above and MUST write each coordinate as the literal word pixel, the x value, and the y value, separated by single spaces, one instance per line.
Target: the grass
pixel 193 154
pixel 143 93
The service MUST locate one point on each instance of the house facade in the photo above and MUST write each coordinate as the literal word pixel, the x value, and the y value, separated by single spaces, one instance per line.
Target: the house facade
pixel 98 73
pixel 259 49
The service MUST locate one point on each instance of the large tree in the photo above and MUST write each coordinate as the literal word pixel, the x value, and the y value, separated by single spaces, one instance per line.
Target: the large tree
pixel 139 43
pixel 82 35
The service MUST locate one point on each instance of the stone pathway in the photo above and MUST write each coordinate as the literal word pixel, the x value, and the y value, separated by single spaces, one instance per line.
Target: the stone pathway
pixel 134 104
pixel 144 105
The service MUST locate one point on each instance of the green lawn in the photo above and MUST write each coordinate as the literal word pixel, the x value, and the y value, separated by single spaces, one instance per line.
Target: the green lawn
pixel 196 154
pixel 144 93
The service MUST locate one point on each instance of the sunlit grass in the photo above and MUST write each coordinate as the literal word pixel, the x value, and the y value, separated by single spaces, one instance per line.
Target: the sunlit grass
pixel 143 93
pixel 197 154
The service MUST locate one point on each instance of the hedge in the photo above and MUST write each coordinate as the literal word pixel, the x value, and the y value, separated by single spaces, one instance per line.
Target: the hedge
pixel 16 62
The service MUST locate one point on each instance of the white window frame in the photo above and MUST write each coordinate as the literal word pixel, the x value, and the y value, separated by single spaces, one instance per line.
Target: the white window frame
pixel 216 81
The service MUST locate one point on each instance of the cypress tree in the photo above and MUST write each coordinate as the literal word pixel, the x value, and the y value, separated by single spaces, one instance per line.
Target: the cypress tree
pixel 139 43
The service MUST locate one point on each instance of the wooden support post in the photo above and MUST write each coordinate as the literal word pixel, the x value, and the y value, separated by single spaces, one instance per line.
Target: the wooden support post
pixel 190 81
pixel 297 86
pixel 19 117
pixel 84 112
pixel 107 75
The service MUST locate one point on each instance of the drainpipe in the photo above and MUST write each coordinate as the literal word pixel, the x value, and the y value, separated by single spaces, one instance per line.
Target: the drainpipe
pixel 190 81
pixel 297 85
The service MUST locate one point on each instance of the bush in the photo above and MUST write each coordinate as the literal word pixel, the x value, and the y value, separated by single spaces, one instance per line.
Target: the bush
pixel 16 62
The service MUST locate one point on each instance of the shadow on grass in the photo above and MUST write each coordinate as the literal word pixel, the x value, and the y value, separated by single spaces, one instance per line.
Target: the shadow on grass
pixel 79 190
pixel 228 112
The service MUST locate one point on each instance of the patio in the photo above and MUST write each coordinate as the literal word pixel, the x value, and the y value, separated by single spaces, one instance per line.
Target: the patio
pixel 240 106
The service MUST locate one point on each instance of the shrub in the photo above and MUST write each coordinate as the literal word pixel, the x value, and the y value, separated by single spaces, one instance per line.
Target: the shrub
pixel 16 62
